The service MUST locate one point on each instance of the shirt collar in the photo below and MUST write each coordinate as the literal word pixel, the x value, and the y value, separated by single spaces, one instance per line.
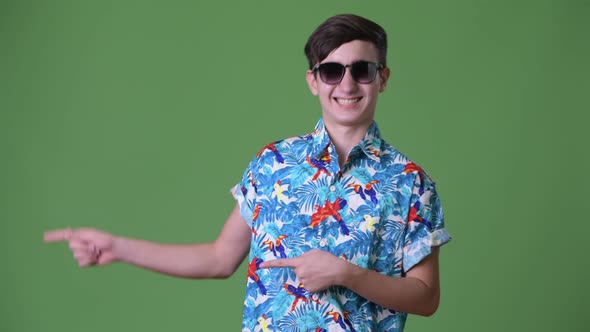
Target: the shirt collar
pixel 370 145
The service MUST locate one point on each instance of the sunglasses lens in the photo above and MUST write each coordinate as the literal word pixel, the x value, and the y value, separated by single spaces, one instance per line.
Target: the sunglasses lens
pixel 363 72
pixel 331 72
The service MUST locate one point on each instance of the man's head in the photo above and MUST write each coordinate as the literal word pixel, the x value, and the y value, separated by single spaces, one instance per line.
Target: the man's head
pixel 341 29
pixel 347 69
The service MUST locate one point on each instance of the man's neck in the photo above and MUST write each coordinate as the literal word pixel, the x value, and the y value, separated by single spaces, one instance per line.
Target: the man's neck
pixel 345 138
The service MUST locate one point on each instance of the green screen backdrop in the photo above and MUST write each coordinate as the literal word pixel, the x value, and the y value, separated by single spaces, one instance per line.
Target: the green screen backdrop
pixel 137 117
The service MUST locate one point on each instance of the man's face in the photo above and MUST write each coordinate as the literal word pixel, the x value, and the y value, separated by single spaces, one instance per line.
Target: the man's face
pixel 349 103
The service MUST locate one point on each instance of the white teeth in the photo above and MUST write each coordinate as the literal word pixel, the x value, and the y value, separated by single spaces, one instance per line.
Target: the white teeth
pixel 349 101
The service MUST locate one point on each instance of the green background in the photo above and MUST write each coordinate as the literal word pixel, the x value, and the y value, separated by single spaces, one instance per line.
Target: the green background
pixel 138 116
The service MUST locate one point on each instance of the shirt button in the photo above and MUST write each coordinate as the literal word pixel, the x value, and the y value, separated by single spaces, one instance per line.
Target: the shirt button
pixel 323 243
pixel 330 149
pixel 332 188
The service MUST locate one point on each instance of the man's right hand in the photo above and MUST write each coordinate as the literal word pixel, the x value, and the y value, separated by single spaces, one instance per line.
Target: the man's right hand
pixel 218 259
pixel 89 246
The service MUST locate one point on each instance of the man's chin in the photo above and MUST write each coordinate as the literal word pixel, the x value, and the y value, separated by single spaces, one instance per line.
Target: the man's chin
pixel 348 119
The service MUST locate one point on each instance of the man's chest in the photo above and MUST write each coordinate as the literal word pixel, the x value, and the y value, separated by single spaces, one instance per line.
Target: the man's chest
pixel 358 215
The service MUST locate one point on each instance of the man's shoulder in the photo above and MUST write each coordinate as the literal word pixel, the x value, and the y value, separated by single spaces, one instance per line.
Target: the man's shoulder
pixel 278 151
pixel 399 162
pixel 390 155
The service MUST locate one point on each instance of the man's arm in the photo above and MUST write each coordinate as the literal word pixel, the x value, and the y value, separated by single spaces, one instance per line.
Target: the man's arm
pixel 218 259
pixel 416 293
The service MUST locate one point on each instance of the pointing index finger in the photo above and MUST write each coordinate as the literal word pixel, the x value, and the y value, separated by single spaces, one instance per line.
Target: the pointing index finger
pixel 282 262
pixel 58 235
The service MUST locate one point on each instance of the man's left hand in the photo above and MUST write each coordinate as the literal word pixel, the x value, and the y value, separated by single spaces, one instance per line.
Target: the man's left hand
pixel 316 269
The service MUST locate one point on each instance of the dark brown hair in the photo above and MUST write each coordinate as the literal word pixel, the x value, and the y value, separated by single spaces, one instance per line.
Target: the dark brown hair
pixel 341 29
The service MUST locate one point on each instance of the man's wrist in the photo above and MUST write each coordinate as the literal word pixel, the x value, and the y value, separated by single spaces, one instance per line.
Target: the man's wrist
pixel 118 249
pixel 352 275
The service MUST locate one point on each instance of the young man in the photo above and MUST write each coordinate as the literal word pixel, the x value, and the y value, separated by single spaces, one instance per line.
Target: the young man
pixel 342 230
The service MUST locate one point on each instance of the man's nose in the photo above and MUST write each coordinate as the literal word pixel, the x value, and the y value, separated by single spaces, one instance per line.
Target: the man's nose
pixel 348 83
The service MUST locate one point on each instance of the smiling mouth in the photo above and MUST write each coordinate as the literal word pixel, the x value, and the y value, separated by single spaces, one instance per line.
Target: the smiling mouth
pixel 348 101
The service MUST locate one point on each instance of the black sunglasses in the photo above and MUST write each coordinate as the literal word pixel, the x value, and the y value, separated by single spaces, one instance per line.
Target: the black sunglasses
pixel 363 72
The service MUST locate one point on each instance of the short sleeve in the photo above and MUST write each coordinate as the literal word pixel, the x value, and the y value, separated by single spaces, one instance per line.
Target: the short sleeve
pixel 425 227
pixel 245 194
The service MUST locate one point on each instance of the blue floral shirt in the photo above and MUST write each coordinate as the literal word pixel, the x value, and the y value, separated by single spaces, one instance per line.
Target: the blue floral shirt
pixel 379 211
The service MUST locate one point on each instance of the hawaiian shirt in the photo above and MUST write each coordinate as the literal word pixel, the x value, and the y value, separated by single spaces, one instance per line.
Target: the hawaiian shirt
pixel 379 211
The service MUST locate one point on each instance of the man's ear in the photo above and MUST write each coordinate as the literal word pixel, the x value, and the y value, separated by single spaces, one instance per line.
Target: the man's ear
pixel 384 75
pixel 312 82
